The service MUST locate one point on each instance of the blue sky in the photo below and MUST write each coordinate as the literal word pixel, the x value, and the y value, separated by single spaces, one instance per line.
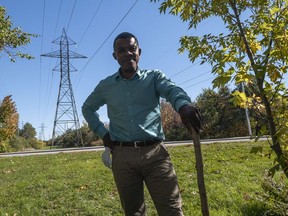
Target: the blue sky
pixel 34 86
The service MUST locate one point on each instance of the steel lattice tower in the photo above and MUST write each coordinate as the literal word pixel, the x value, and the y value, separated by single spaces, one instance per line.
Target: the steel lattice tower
pixel 42 134
pixel 66 116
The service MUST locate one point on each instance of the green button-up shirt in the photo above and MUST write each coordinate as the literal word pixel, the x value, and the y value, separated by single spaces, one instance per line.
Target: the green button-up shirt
pixel 133 105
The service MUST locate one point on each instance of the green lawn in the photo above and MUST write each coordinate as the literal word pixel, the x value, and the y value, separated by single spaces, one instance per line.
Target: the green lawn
pixel 79 184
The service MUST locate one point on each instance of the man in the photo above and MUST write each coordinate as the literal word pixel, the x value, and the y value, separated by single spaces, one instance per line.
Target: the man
pixel 135 136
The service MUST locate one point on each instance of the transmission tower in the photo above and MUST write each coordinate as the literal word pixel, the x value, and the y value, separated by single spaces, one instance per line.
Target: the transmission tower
pixel 42 134
pixel 66 116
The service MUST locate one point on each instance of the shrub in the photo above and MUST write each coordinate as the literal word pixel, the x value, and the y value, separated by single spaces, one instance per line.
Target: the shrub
pixel 4 146
pixel 36 144
pixel 18 143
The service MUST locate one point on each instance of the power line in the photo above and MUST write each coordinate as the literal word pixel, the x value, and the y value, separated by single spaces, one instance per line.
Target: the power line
pixel 105 41
pixel 163 54
pixel 43 24
pixel 41 48
pixel 96 11
pixel 194 78
pixel 47 98
pixel 198 82
pixel 181 71
pixel 71 15
pixel 110 34
pixel 57 19
pixel 49 83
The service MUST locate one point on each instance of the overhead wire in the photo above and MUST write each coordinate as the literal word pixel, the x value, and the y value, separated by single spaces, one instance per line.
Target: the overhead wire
pixel 181 71
pixel 162 55
pixel 193 78
pixel 95 53
pixel 100 47
pixel 40 69
pixel 92 19
pixel 67 28
pixel 54 35
pixel 57 21
pixel 50 80
pixel 43 24
pixel 198 83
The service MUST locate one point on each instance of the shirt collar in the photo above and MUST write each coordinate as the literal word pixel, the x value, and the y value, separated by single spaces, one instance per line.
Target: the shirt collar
pixel 138 74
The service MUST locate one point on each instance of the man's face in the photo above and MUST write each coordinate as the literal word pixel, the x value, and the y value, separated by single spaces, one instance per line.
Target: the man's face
pixel 127 53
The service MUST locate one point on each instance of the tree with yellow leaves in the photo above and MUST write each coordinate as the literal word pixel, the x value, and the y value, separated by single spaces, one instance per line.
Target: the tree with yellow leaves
pixel 8 121
pixel 253 50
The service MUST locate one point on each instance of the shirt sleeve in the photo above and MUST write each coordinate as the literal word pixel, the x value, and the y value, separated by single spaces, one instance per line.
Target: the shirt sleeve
pixel 167 89
pixel 89 111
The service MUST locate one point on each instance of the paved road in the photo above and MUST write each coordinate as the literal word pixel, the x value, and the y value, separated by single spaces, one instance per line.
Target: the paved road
pixel 101 148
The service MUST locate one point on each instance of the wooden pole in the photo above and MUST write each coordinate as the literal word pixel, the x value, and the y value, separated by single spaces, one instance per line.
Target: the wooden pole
pixel 200 172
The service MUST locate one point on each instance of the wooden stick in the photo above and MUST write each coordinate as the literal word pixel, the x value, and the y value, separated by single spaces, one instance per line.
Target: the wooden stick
pixel 200 172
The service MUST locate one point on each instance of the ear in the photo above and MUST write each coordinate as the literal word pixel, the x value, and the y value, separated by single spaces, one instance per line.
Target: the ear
pixel 140 51
pixel 114 56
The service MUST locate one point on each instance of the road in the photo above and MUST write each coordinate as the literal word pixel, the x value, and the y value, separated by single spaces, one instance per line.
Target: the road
pixel 101 148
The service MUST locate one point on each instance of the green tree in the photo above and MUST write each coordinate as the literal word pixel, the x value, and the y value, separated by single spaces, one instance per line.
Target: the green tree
pixel 11 38
pixel 28 131
pixel 220 117
pixel 89 137
pixel 254 49
pixel 36 144
pixel 70 138
pixel 18 143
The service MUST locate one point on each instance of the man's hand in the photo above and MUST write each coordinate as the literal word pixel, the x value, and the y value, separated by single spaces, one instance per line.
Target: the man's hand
pixel 107 142
pixel 106 158
pixel 191 117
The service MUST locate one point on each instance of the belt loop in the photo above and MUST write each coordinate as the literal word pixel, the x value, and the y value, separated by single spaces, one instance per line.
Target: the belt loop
pixel 136 145
pixel 121 145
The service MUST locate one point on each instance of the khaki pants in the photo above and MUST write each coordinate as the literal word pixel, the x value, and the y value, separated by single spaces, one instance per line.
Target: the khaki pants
pixel 150 164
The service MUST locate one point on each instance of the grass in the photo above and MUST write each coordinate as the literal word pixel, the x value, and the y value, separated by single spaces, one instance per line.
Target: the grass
pixel 79 184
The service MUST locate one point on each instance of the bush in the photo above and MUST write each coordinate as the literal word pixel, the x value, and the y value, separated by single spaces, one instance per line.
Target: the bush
pixel 4 146
pixel 70 138
pixel 177 132
pixel 36 144
pixel 18 143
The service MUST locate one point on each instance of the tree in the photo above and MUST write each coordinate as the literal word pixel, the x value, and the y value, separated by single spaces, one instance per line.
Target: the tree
pixel 254 50
pixel 220 117
pixel 11 38
pixel 8 121
pixel 69 138
pixel 89 137
pixel 172 125
pixel 28 131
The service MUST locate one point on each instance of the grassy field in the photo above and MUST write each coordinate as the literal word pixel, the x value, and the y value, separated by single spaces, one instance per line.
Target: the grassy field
pixel 79 184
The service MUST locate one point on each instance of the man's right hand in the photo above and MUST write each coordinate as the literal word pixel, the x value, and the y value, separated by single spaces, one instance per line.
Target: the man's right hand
pixel 191 117
pixel 107 142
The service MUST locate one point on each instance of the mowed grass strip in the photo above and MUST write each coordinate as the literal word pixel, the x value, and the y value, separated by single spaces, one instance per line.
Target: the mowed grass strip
pixel 79 184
